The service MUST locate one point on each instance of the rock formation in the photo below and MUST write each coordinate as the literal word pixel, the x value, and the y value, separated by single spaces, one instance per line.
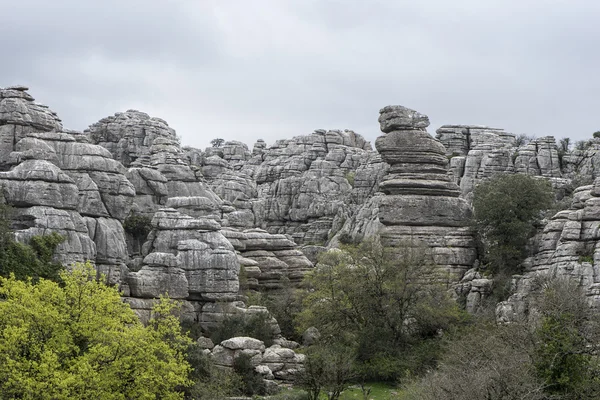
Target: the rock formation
pixel 568 247
pixel 421 203
pixel 20 115
pixel 265 213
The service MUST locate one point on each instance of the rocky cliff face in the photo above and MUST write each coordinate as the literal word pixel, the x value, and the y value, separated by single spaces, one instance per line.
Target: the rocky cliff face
pixel 480 152
pixel 270 210
pixel 568 247
pixel 421 203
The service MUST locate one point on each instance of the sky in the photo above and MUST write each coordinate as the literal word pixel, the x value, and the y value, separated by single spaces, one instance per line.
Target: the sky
pixel 274 69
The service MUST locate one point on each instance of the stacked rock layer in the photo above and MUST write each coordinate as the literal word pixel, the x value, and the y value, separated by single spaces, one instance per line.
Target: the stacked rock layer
pixel 421 205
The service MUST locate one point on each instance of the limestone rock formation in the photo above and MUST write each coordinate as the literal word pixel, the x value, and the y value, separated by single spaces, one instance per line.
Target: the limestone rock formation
pixel 305 183
pixel 275 363
pixel 188 258
pixel 421 203
pixel 20 115
pixel 568 247
pixel 480 152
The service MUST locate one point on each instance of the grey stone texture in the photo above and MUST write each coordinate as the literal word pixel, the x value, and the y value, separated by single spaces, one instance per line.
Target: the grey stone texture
pixel 421 204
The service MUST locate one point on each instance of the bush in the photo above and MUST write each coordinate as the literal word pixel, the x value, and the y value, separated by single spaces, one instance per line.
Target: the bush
pixel 210 382
pixel 257 326
pixel 382 303
pixel 80 340
pixel 218 142
pixel 33 260
pixel 284 306
pixel 328 368
pixel 252 382
pixel 553 356
pixel 350 178
pixel 507 210
pixel 137 225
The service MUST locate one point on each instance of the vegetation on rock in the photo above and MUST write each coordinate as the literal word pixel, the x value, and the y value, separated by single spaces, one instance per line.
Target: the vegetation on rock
pixel 382 306
pixel 33 260
pixel 552 357
pixel 218 142
pixel 79 340
pixel 507 210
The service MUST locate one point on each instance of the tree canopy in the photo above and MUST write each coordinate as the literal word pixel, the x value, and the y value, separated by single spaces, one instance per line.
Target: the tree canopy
pixel 33 260
pixel 80 340
pixel 507 208
pixel 384 304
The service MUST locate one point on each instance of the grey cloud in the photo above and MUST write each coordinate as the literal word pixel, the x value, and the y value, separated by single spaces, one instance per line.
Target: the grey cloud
pixel 272 68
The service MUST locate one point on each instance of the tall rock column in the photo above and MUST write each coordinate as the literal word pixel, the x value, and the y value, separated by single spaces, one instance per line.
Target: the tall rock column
pixel 421 205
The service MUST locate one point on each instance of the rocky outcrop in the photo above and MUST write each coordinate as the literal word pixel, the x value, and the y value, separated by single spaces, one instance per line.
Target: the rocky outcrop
pixel 568 247
pixel 480 152
pixel 103 196
pixel 188 258
pixel 421 205
pixel 20 115
pixel 275 363
pixel 304 183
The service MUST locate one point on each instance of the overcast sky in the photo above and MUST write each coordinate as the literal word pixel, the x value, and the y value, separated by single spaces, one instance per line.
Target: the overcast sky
pixel 273 69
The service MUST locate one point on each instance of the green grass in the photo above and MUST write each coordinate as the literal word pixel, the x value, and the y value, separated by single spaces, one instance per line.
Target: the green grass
pixel 379 391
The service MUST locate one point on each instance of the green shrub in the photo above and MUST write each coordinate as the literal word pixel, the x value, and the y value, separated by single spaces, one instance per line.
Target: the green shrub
pixel 350 178
pixel 209 382
pixel 256 326
pixel 252 382
pixel 137 225
pixel 507 210
pixel 33 260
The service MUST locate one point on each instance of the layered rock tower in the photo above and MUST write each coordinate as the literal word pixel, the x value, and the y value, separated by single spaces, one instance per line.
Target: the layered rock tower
pixel 421 205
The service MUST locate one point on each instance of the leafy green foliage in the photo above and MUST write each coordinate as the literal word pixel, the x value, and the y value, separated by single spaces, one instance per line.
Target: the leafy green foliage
pixel 284 306
pixel 252 382
pixel 350 176
pixel 567 340
pixel 507 209
pixel 327 368
pixel 80 340
pixel 33 260
pixel 257 326
pixel 596 134
pixel 380 303
pixel 210 382
pixel 218 142
pixel 553 358
pixel 137 225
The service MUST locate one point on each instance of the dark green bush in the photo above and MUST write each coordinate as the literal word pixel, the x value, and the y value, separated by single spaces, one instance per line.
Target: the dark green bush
pixel 33 260
pixel 137 225
pixel 253 383
pixel 256 326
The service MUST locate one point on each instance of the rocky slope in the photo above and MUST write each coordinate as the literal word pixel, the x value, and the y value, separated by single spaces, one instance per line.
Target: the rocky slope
pixel 271 209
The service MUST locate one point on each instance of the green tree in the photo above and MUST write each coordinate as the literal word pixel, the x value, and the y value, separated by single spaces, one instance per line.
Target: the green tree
pixel 218 142
pixel 80 340
pixel 507 209
pixel 567 340
pixel 552 354
pixel 383 303
pixel 327 368
pixel 209 381
pixel 33 260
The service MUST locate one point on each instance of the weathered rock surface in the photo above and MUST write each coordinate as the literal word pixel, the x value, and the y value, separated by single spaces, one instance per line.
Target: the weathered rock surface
pixel 20 115
pixel 421 205
pixel 188 258
pixel 273 363
pixel 568 247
